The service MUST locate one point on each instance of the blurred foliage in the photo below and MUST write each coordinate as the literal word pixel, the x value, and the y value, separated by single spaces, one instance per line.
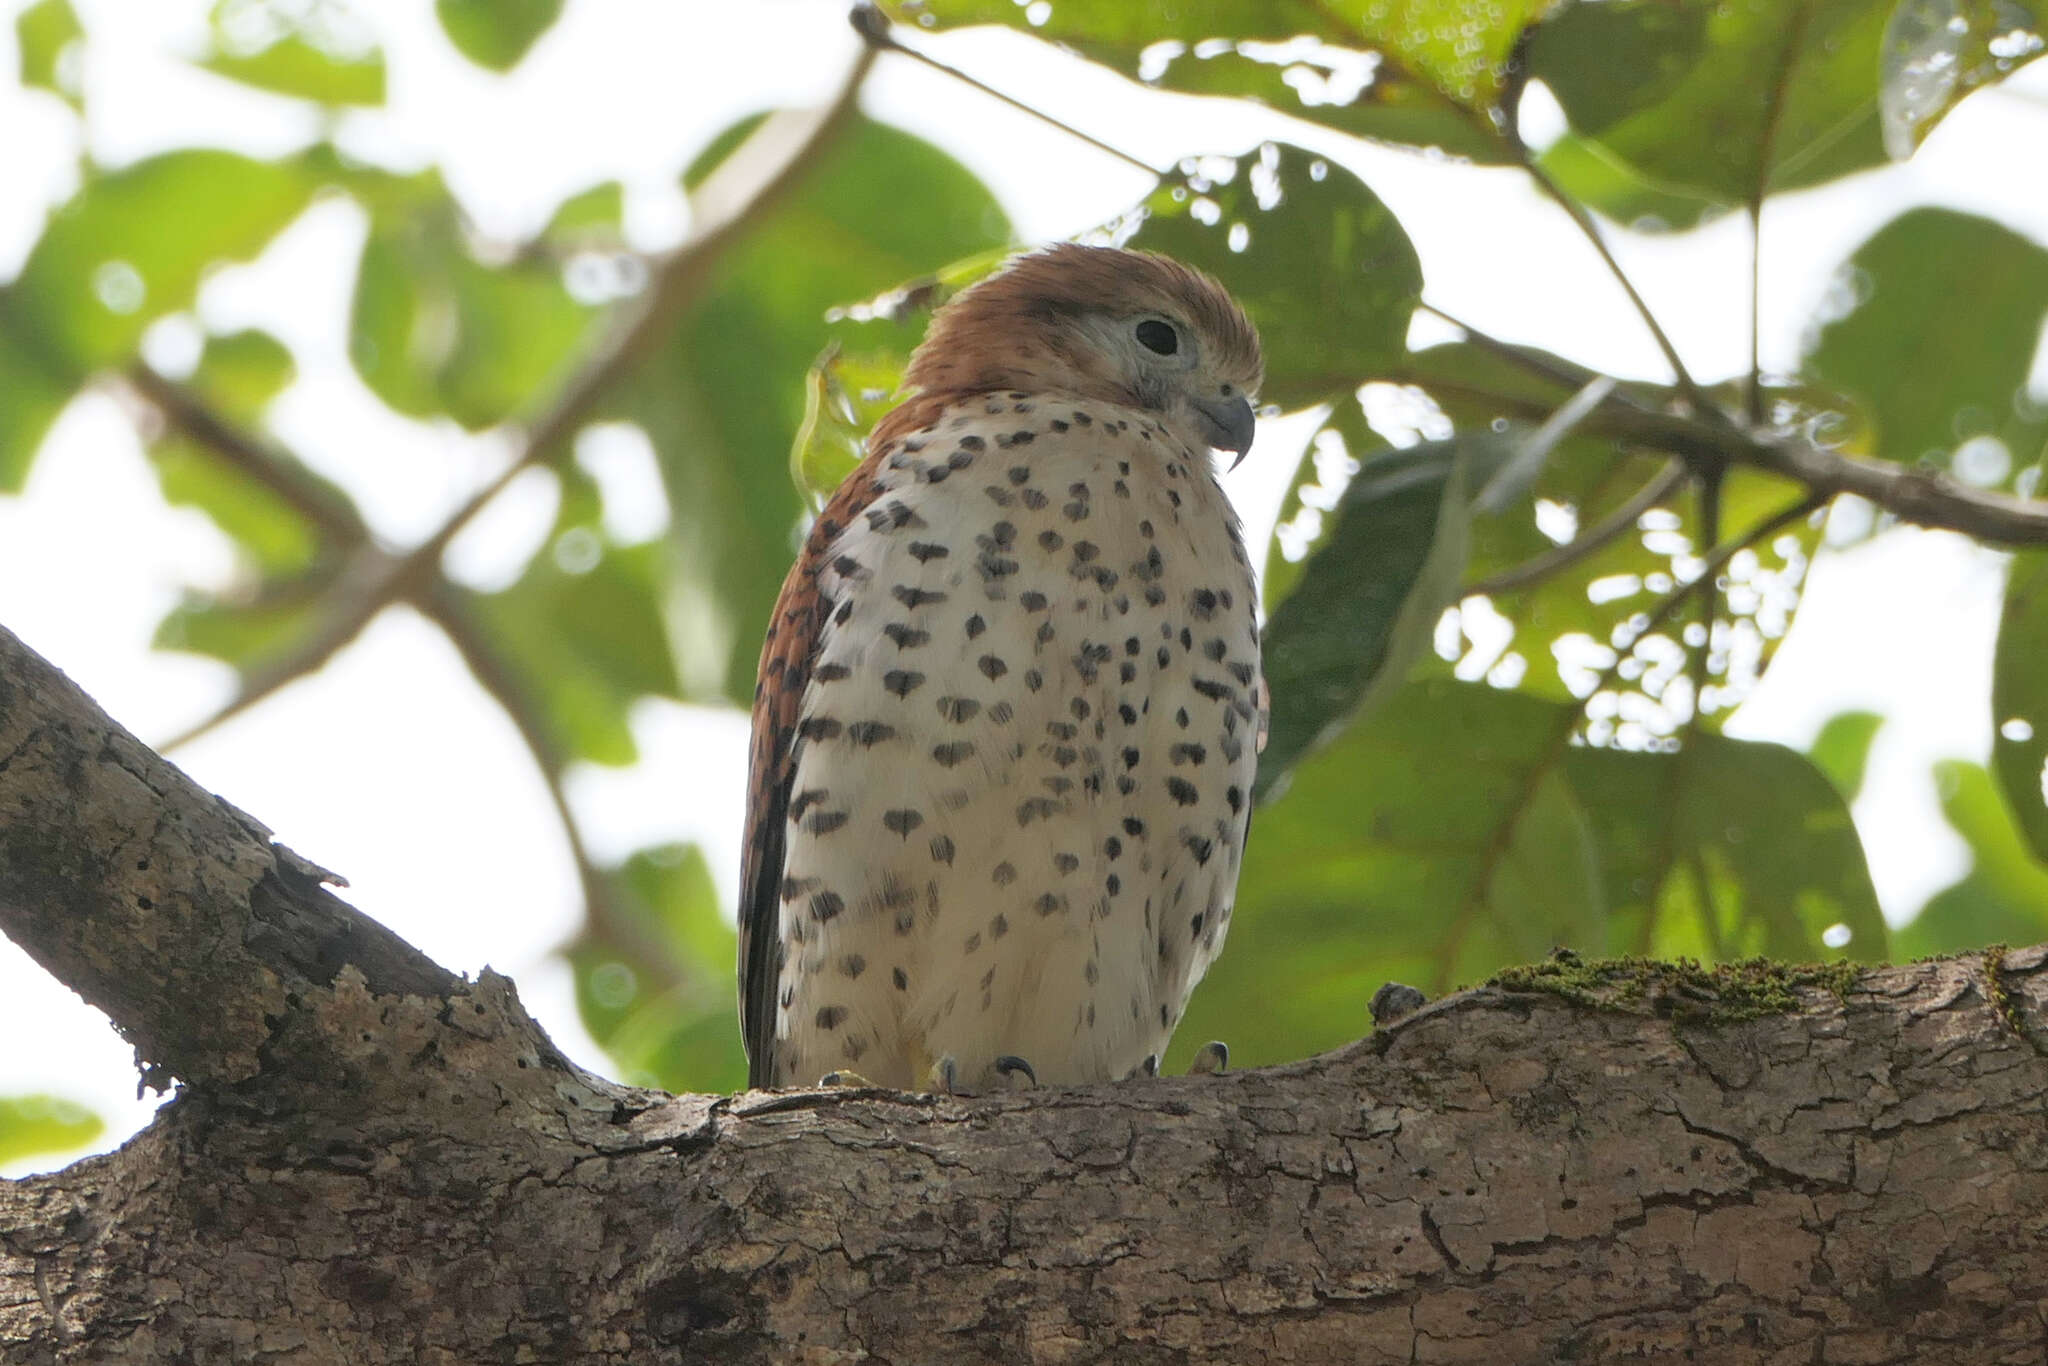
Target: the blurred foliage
pixel 496 33
pixel 44 1126
pixel 1938 317
pixel 2003 899
pixel 2019 699
pixel 1501 663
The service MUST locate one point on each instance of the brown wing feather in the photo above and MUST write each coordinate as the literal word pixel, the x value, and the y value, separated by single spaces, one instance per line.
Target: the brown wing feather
pixel 785 671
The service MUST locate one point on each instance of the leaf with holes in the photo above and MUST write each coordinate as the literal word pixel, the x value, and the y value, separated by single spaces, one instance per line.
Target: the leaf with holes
pixel 1421 72
pixel 1331 460
pixel 1365 603
pixel 1939 317
pixel 1938 51
pixel 1566 624
pixel 1318 262
pixel 1719 99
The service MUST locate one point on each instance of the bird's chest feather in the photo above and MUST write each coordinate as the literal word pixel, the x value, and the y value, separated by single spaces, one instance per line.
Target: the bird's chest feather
pixel 1025 754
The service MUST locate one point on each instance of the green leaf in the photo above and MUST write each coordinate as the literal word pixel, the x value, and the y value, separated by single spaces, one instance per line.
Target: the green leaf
pixel 1564 625
pixel 1843 747
pixel 844 397
pixel 1419 72
pixel 596 212
pixel 1434 841
pixel 1591 174
pixel 248 629
pixel 654 976
pixel 1726 850
pixel 2003 899
pixel 260 523
pixel 433 330
pixel 133 243
pixel 39 1125
pixel 43 32
pixel 1317 261
pixel 1369 597
pixel 2019 698
pixel 1720 99
pixel 313 54
pixel 240 372
pixel 1937 51
pixel 1945 315
pixel 1331 460
pixel 34 388
pixel 723 399
pixel 585 628
pixel 496 33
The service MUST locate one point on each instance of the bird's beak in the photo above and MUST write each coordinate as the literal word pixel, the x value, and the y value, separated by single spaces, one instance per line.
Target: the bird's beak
pixel 1227 424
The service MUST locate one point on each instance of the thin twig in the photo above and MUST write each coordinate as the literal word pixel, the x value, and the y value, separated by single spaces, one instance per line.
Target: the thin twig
pixel 729 203
pixel 1555 369
pixel 1767 147
pixel 284 476
pixel 875 30
pixel 1927 498
pixel 1595 539
pixel 1591 231
pixel 501 680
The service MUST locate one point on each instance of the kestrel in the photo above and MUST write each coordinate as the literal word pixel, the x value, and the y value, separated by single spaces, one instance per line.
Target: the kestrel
pixel 1008 708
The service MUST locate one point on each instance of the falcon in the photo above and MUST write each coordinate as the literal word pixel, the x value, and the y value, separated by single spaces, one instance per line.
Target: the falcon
pixel 1009 703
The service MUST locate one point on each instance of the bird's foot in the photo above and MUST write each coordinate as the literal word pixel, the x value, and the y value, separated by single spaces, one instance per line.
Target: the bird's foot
pixel 1393 1000
pixel 851 1080
pixel 1011 1067
pixel 944 1077
pixel 1212 1059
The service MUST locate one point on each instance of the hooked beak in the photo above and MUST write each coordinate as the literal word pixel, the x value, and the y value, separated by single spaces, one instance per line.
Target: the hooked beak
pixel 1227 424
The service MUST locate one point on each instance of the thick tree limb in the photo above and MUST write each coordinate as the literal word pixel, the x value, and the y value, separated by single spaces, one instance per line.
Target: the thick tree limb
pixel 377 1162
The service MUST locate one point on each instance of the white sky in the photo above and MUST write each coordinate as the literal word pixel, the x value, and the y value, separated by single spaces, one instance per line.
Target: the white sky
pixel 392 767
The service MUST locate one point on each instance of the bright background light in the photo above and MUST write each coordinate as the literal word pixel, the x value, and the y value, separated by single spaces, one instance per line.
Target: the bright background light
pixel 391 765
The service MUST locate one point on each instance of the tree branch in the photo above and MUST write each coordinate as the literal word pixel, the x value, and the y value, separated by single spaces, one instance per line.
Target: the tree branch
pixel 1583 221
pixel 730 202
pixel 329 512
pixel 1579 1162
pixel 157 902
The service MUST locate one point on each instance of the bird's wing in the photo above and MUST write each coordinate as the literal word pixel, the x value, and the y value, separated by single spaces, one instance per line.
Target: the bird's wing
pixel 785 672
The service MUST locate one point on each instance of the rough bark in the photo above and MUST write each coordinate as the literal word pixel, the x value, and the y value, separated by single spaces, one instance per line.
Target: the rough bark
pixel 371 1160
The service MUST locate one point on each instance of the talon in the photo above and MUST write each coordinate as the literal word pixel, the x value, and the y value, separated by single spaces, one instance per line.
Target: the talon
pixel 850 1080
pixel 1150 1067
pixel 1212 1059
pixel 1009 1064
pixel 944 1077
pixel 1393 1000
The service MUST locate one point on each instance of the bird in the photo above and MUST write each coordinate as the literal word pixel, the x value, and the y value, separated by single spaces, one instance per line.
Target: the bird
pixel 1009 702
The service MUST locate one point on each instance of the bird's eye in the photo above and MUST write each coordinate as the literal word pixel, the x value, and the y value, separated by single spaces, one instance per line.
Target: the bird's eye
pixel 1158 337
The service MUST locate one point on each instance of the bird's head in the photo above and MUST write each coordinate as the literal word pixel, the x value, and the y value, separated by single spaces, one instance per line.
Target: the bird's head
pixel 1127 327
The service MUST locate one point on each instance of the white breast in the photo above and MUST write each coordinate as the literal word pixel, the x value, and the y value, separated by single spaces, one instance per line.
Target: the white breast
pixel 1025 762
